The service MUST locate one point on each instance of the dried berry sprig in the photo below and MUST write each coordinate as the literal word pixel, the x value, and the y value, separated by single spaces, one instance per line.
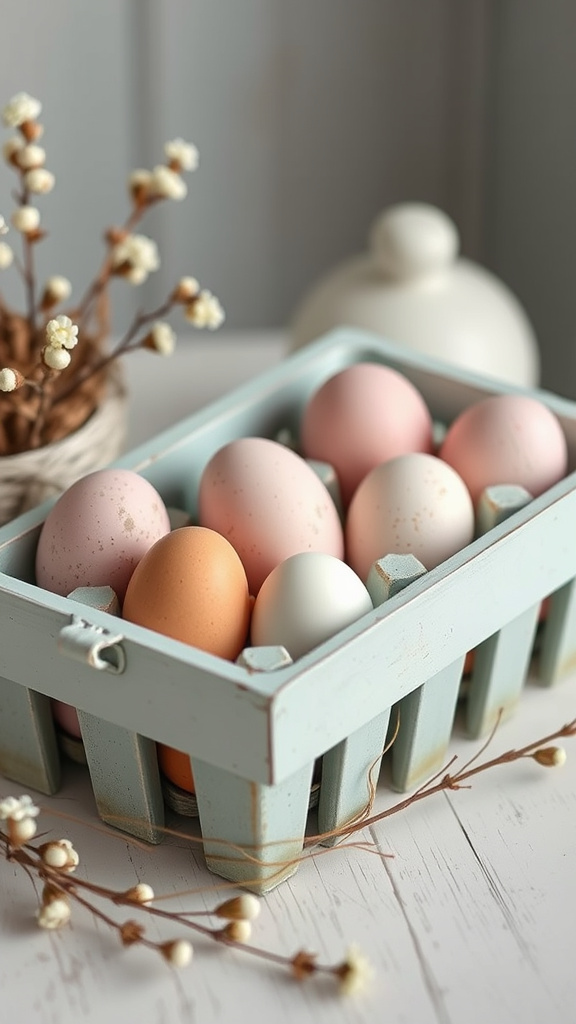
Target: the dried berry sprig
pixel 54 863
pixel 543 751
pixel 39 372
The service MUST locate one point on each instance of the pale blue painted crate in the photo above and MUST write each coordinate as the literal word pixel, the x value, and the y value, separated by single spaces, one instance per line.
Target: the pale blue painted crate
pixel 255 736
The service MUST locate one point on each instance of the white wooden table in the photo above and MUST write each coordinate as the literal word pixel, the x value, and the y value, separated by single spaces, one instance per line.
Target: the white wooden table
pixel 466 907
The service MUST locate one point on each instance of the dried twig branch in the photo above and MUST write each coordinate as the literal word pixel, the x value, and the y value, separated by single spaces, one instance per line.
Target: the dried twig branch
pixel 53 864
pixel 38 341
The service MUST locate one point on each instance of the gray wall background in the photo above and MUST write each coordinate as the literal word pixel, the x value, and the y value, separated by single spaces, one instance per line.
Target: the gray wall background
pixel 310 117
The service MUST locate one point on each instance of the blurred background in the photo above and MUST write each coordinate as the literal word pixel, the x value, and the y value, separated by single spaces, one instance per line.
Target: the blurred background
pixel 311 116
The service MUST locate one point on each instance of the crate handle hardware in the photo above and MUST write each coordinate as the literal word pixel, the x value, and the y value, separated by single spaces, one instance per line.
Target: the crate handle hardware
pixel 92 645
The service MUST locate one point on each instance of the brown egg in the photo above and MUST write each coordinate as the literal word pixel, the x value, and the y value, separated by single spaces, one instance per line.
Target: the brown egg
pixel 176 766
pixel 191 586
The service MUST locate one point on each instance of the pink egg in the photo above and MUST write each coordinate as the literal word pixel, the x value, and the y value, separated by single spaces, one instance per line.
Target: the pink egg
pixel 269 504
pixel 414 504
pixel 506 439
pixel 362 416
pixel 98 531
pixel 67 718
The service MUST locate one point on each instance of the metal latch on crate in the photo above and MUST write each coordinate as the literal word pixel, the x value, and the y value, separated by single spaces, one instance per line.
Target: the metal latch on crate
pixel 92 645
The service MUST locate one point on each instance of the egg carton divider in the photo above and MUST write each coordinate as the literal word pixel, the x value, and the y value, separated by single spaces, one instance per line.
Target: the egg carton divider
pixel 254 737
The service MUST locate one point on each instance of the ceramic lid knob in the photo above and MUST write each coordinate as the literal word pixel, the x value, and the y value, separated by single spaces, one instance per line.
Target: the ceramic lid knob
pixel 413 239
pixel 413 288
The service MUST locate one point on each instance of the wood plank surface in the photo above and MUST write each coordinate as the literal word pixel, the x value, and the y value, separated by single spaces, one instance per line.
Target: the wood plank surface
pixel 466 908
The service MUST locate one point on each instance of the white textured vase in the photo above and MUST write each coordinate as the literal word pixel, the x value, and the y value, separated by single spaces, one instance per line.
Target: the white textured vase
pixel 412 288
pixel 28 478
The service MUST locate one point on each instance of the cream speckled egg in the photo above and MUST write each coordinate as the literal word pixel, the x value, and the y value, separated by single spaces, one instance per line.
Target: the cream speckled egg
pixel 412 505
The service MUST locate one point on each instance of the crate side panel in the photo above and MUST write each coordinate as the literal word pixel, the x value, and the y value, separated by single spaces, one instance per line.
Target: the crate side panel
pixel 431 624
pixel 179 703
pixel 125 778
pixel 252 834
pixel 342 685
pixel 28 748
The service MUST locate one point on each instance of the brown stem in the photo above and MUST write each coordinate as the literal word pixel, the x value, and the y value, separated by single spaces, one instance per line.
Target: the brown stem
pixel 302 963
pixel 217 935
pixel 103 276
pixel 30 287
pixel 28 269
pixel 45 388
pixel 70 887
pixel 142 940
pixel 124 346
pixel 456 781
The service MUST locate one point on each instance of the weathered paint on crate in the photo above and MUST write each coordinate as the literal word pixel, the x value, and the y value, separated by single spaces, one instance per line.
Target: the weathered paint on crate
pixel 255 732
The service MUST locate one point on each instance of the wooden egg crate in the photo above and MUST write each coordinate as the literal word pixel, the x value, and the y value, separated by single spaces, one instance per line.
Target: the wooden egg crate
pixel 256 730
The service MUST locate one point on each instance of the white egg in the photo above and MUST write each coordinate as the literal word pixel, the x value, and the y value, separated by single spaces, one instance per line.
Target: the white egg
pixel 307 598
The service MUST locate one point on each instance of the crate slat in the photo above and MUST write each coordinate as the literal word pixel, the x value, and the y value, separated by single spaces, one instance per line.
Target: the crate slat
pixel 346 770
pixel 558 650
pixel 253 834
pixel 125 777
pixel 500 668
pixel 28 745
pixel 426 719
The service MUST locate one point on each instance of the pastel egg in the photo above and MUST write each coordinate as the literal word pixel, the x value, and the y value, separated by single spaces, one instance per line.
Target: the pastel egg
pixel 269 503
pixel 66 717
pixel 306 599
pixel 412 505
pixel 507 439
pixel 176 766
pixel 362 416
pixel 98 531
pixel 191 586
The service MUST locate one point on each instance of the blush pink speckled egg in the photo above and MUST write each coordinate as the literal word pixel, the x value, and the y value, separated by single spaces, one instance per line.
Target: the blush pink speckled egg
pixel 67 718
pixel 98 531
pixel 506 439
pixel 269 504
pixel 412 505
pixel 362 416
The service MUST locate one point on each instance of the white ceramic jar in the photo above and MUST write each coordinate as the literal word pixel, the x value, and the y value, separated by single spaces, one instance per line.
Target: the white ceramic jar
pixel 413 288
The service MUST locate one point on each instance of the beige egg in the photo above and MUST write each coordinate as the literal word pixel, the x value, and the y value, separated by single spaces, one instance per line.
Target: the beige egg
pixel 412 505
